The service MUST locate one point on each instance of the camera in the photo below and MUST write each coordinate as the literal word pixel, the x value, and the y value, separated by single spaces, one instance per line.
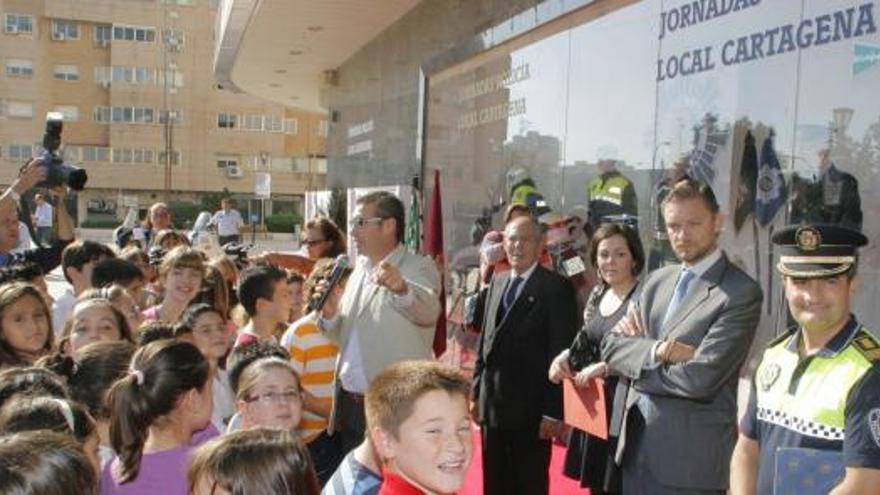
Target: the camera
pixel 59 173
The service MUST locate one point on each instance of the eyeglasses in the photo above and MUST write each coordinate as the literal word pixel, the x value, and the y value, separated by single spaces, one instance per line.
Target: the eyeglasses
pixel 358 222
pixel 276 398
pixel 312 242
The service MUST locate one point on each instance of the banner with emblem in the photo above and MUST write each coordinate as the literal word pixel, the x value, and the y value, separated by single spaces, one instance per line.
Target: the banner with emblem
pixel 770 193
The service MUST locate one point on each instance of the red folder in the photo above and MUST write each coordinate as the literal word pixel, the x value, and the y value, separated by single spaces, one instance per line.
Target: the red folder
pixel 585 407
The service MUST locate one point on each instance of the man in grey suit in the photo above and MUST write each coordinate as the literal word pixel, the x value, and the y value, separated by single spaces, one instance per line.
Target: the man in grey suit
pixel 682 345
pixel 387 313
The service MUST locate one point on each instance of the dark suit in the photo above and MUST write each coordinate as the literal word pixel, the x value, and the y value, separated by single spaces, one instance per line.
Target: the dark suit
pixel 684 441
pixel 511 386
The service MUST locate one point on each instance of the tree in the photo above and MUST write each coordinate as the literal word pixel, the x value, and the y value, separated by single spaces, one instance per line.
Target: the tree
pixel 337 210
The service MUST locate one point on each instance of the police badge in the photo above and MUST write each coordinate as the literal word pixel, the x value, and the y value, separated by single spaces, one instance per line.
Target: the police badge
pixel 769 375
pixel 808 239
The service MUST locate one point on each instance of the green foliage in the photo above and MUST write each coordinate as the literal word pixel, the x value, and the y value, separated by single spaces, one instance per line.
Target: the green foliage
pixel 100 223
pixel 282 222
pixel 184 214
pixel 338 208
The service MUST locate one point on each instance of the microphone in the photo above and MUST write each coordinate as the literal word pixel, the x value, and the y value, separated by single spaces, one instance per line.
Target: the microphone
pixel 335 275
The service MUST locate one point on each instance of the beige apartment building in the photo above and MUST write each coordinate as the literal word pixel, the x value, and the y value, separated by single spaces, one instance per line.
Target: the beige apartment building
pixel 143 113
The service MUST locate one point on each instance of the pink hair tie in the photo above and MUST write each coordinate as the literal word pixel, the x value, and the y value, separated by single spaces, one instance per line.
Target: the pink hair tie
pixel 138 375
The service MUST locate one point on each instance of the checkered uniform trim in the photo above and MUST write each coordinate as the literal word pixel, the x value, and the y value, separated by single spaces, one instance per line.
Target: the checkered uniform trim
pixel 803 426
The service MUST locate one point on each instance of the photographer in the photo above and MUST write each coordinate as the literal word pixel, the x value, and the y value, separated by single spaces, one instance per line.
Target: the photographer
pixel 48 257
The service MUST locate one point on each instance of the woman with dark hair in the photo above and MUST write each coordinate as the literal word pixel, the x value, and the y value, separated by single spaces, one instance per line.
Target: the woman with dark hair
pixel 617 255
pixel 44 463
pixel 25 325
pixel 259 461
pixel 323 239
pixel 160 411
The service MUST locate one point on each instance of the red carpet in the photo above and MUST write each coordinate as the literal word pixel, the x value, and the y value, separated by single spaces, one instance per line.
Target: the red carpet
pixel 559 484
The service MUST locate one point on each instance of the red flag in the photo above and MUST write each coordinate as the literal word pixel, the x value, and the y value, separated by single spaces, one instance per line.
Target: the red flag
pixel 433 247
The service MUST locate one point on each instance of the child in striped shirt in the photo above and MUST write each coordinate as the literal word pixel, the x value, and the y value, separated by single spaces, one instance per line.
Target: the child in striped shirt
pixel 313 356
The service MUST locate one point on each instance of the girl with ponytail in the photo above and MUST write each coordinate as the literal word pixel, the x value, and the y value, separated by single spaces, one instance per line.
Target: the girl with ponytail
pixel 161 410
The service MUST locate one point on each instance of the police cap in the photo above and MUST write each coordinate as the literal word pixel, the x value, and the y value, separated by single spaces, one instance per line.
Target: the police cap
pixel 816 250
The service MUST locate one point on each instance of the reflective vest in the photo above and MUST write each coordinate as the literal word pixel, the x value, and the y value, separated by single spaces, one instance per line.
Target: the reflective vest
pixel 809 395
pixel 609 190
pixel 525 194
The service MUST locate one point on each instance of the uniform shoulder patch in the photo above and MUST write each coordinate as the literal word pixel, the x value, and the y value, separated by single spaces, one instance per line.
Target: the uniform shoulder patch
pixel 867 345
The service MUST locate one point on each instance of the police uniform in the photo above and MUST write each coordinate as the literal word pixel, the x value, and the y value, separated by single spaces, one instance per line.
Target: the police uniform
pixel 827 400
pixel 610 194
pixel 525 193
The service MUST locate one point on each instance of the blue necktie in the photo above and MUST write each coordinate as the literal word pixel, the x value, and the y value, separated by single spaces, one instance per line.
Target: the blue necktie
pixel 510 295
pixel 681 290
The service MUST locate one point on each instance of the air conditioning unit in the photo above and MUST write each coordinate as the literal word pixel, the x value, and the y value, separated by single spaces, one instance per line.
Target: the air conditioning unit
pixel 105 84
pixel 174 44
pixel 234 171
pixel 58 37
pixel 102 43
pixel 11 29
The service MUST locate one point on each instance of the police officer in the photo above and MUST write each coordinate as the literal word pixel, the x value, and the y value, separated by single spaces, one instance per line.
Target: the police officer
pixel 816 386
pixel 610 194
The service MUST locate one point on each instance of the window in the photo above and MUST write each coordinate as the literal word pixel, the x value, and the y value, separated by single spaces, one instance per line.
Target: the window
pixel 64 30
pixel 227 120
pixel 67 73
pixel 227 162
pixel 273 124
pixel 103 34
pixel 131 74
pixel 19 23
pixel 18 108
pixel 290 126
pixel 144 75
pixel 19 67
pixel 131 33
pixel 70 112
pixel 143 156
pixel 96 154
pixel 122 155
pixel 20 151
pixel 101 115
pixel 253 122
pixel 175 157
pixel 123 73
pixel 129 115
pixel 174 78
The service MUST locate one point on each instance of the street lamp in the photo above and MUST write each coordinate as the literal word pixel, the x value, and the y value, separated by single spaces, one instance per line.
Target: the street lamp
pixel 654 160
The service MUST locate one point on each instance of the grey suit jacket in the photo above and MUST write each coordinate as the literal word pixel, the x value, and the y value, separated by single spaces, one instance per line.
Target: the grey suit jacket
pixel 388 331
pixel 690 430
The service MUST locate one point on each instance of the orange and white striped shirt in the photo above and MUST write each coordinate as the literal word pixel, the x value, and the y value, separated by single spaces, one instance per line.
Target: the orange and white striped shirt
pixel 313 356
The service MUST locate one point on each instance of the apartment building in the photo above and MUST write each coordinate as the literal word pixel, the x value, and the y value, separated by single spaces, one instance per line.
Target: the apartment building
pixel 143 113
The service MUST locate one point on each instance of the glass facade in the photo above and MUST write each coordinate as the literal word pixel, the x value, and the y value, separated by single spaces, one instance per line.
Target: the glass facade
pixel 724 90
